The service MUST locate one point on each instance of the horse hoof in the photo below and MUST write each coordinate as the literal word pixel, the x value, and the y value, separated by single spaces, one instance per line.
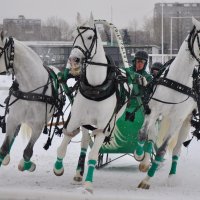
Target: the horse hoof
pixel 20 168
pixel 58 172
pixel 78 178
pixel 143 167
pixel 6 160
pixel 32 168
pixel 88 189
pixel 172 180
pixel 144 185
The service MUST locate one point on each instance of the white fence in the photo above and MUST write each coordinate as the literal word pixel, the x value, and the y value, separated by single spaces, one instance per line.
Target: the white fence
pixel 160 58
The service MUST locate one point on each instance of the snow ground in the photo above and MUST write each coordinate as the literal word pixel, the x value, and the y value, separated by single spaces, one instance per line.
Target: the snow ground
pixel 117 181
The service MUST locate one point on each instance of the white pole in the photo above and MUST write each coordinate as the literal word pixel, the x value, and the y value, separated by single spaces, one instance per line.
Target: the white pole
pixel 111 30
pixel 162 34
pixel 171 36
pixel 120 42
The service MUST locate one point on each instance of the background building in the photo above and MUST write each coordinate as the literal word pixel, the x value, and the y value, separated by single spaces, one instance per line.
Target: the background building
pixel 177 23
pixel 22 28
pixel 56 53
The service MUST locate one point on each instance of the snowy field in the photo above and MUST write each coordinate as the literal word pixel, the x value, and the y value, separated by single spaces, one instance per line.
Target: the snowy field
pixel 117 181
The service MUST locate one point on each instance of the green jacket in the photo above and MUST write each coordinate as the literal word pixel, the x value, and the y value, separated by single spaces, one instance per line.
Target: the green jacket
pixel 142 72
pixel 132 73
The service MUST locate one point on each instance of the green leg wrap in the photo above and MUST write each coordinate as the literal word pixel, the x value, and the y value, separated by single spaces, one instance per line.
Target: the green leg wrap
pixel 59 163
pixel 1 159
pixel 91 166
pixel 83 151
pixel 27 165
pixel 139 148
pixel 149 147
pixel 174 165
pixel 155 165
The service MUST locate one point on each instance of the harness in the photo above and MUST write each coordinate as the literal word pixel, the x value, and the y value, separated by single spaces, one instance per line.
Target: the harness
pixel 113 79
pixel 191 92
pixel 56 100
pixel 177 86
pixel 100 92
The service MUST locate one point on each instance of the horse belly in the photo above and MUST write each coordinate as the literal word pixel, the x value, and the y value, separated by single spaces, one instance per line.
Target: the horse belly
pixel 93 112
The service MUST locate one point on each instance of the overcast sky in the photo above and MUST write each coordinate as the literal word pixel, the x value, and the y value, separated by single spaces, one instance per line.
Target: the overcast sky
pixel 123 11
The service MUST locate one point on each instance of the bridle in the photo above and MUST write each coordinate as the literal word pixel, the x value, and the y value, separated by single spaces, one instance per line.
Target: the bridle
pixel 9 51
pixel 194 34
pixel 87 52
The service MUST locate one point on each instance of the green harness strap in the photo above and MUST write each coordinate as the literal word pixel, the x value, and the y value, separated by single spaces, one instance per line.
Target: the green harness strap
pixel 63 77
pixel 55 81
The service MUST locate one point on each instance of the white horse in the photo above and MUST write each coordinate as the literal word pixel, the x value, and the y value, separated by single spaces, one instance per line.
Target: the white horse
pixel 175 117
pixel 88 53
pixel 30 75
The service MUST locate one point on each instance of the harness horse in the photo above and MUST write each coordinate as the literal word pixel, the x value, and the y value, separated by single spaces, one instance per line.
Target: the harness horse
pixel 33 98
pixel 174 101
pixel 96 100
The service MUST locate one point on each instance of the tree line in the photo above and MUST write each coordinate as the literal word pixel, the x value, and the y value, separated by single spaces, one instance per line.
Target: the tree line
pixel 58 29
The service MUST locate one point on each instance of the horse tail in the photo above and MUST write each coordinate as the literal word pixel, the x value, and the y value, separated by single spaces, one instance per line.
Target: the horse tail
pixel 172 143
pixel 164 126
pixel 25 131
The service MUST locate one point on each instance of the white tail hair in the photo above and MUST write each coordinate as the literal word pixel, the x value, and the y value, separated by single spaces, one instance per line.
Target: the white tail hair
pixel 25 131
pixel 162 133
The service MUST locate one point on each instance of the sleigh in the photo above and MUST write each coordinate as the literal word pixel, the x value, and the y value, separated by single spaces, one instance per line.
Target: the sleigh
pixel 125 135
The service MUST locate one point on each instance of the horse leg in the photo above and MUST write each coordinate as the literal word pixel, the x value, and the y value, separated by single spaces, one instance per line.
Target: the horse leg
pixel 26 163
pixel 145 163
pixel 145 183
pixel 184 131
pixel 81 162
pixel 61 152
pixel 92 160
pixel 139 151
pixel 12 131
pixel 148 149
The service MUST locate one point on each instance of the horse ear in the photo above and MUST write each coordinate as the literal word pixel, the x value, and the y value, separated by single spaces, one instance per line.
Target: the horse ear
pixel 91 20
pixel 2 35
pixel 196 23
pixel 78 19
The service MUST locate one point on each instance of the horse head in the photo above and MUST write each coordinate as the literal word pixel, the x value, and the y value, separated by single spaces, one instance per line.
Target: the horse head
pixel 85 44
pixel 6 53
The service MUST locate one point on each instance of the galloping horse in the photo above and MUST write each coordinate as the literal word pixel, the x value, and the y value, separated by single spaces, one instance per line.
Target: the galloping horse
pixel 174 102
pixel 96 100
pixel 32 89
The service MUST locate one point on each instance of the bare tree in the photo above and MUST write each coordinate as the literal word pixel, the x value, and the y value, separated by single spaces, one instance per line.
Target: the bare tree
pixel 133 27
pixel 149 30
pixel 126 37
pixel 157 32
pixel 56 29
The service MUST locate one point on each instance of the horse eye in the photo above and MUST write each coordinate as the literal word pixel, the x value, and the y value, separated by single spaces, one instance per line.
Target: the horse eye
pixel 90 37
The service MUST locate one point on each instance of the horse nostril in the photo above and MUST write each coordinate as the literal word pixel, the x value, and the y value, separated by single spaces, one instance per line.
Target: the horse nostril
pixel 77 60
